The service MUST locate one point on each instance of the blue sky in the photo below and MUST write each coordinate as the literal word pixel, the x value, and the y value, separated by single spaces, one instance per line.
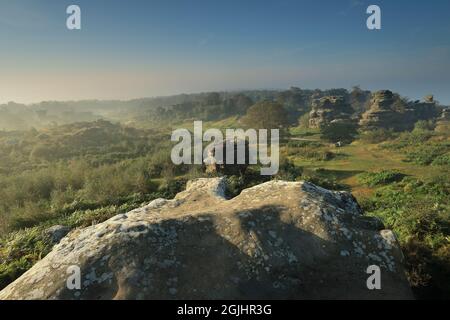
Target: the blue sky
pixel 140 48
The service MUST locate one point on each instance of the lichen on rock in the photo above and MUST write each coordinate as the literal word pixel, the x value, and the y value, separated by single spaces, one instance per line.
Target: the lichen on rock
pixel 276 240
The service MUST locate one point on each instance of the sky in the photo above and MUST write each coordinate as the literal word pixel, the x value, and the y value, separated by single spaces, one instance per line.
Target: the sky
pixel 143 48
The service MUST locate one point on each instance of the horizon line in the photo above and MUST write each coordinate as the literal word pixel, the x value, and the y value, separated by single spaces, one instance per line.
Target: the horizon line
pixel 131 99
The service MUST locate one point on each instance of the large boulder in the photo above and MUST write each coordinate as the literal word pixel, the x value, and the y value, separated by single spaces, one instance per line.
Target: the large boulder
pixel 277 240
pixel 213 165
pixel 329 109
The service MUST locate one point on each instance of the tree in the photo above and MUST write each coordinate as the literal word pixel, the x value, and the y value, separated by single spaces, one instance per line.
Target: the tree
pixel 266 115
pixel 237 104
pixel 339 131
pixel 294 102
pixel 212 98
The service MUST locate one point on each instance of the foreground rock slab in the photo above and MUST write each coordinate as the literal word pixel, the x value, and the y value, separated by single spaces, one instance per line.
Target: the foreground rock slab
pixel 277 240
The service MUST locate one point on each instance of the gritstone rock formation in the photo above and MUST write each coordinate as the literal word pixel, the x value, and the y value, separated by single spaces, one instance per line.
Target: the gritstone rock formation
pixel 277 240
pixel 329 109
pixel 383 113
pixel 380 113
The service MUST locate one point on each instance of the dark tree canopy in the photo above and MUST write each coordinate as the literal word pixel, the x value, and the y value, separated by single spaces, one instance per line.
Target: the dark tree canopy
pixel 266 115
pixel 334 132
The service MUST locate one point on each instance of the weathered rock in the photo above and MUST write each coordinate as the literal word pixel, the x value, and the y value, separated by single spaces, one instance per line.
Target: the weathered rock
pixel 277 240
pixel 329 110
pixel 388 112
pixel 423 110
pixel 380 113
pixel 215 166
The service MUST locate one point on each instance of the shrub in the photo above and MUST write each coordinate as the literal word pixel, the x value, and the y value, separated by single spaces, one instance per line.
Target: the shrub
pixel 31 214
pixel 334 132
pixel 373 179
pixel 442 160
pixel 235 184
pixel 377 136
pixel 303 121
pixel 309 150
pixel 427 154
pixel 419 213
pixel 424 125
pixel 288 170
pixel 325 182
pixel 406 139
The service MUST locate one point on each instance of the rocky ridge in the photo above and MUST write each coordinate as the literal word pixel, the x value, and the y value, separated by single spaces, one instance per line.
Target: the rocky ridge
pixel 386 111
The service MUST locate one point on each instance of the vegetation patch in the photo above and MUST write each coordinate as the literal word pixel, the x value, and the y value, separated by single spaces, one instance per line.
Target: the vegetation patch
pixel 419 213
pixel 384 177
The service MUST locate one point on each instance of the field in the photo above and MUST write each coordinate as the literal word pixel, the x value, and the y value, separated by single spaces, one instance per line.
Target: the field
pixel 360 157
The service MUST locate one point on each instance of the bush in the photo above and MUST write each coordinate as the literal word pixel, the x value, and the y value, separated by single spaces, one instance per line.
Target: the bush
pixel 424 125
pixel 442 160
pixel 303 121
pixel 235 184
pixel 427 154
pixel 288 170
pixel 413 138
pixel 373 179
pixel 335 132
pixel 422 147
pixel 309 150
pixel 419 213
pixel 325 182
pixel 170 187
pixel 29 215
pixel 377 136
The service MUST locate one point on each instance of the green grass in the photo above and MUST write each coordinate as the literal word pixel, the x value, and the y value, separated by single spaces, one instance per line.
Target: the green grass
pixel 304 132
pixel 362 157
pixel 384 177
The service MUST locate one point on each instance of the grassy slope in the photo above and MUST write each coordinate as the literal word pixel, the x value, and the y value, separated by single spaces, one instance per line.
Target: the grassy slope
pixel 362 157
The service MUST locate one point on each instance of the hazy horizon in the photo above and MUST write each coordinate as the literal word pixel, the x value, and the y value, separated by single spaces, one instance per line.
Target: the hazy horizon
pixel 202 92
pixel 128 50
